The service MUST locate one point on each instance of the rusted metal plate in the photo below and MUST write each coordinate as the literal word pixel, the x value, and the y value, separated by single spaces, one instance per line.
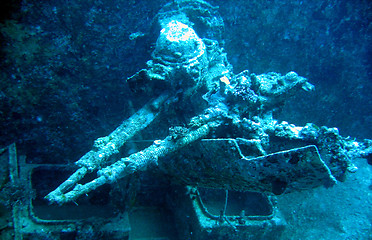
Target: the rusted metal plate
pixel 220 163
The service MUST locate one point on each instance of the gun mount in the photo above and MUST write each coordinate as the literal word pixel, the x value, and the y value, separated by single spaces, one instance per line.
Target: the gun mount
pixel 226 138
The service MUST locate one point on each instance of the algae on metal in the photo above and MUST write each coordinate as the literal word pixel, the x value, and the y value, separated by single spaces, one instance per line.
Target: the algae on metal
pixel 192 71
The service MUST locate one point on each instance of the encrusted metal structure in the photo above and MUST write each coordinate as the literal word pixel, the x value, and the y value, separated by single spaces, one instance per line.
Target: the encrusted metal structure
pixel 226 139
pixel 189 71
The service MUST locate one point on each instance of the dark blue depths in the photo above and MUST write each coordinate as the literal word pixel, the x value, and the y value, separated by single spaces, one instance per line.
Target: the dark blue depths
pixel 64 66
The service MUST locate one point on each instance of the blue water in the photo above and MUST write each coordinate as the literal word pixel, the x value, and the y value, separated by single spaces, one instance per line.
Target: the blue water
pixel 64 66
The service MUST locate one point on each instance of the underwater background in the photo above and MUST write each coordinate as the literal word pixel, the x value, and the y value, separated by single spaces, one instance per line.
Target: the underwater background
pixel 64 66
